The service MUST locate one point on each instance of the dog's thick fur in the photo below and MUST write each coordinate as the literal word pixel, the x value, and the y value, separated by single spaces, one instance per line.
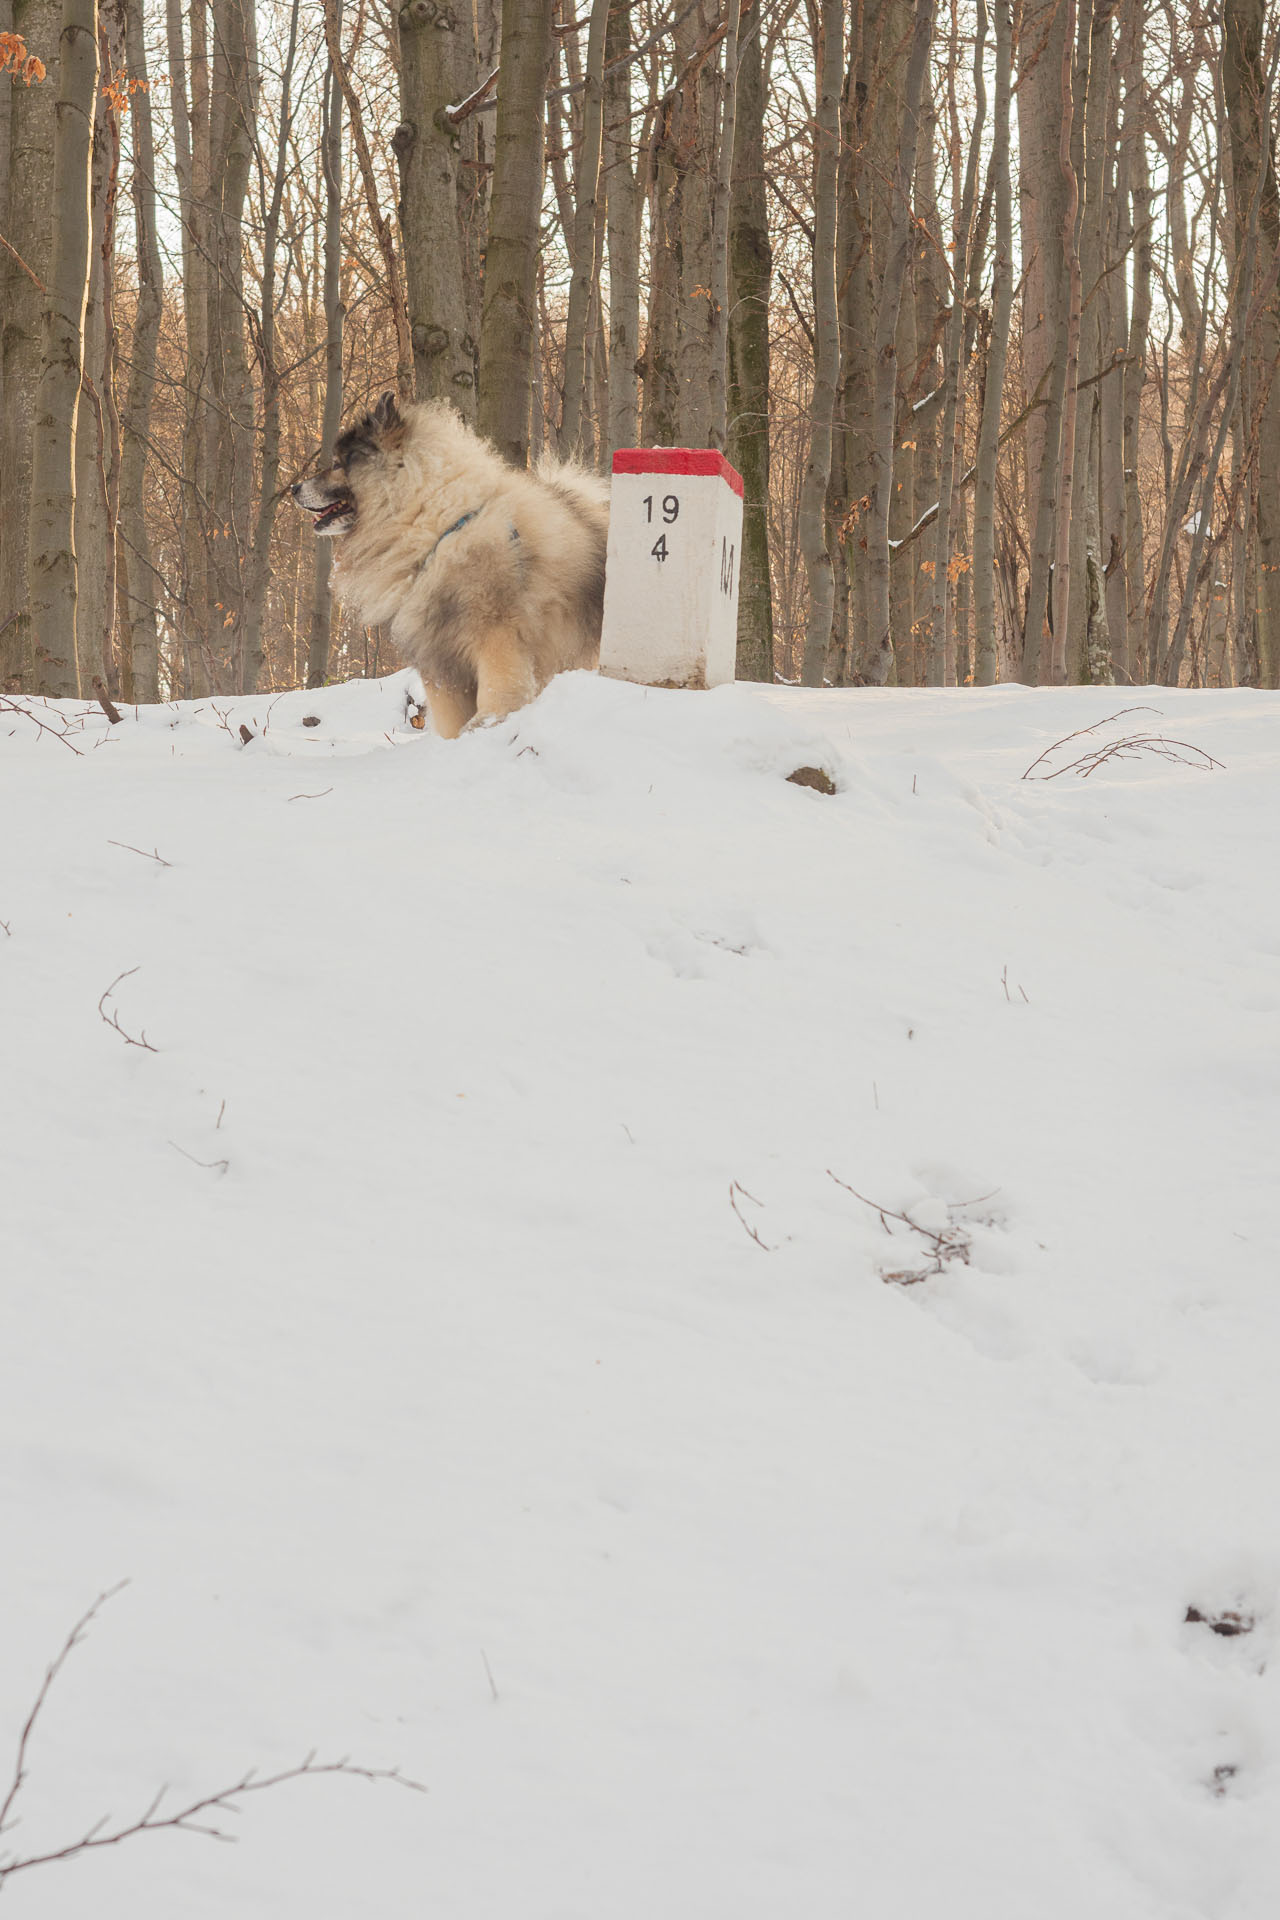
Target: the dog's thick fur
pixel 491 580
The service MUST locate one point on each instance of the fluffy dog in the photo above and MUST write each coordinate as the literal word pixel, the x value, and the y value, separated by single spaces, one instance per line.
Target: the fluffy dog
pixel 490 580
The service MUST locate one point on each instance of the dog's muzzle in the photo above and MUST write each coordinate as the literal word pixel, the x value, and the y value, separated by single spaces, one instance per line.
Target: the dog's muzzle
pixel 332 509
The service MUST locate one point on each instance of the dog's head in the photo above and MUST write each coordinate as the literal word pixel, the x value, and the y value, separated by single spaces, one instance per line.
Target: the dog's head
pixel 332 498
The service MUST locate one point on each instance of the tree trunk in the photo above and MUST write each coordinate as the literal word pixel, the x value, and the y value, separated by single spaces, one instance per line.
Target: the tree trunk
pixel 191 164
pixel 695 158
pixel 136 581
pixel 623 234
pixel 1046 44
pixel 829 65
pixel 881 463
pixel 1254 179
pixel 52 558
pixel 232 136
pixel 510 285
pixel 28 226
pixel 437 70
pixel 258 573
pixel 721 224
pixel 752 261
pixel 661 382
pixel 1072 108
pixel 583 281
pixel 984 547
pixel 1134 149
pixel 97 435
pixel 334 321
pixel 953 369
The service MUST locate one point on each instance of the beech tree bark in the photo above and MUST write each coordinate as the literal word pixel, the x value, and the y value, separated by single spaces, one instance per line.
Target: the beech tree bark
pixel 829 65
pixel 136 580
pixel 318 639
pixel 28 227
pixel 51 580
pixel 583 282
pixel 984 542
pixel 510 283
pixel 623 233
pixel 953 370
pixel 1253 165
pixel 437 70
pixel 751 256
pixel 880 657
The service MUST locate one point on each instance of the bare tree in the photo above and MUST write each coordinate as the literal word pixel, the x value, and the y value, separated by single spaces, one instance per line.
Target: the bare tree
pixel 881 433
pixel 51 580
pixel 510 313
pixel 751 254
pixel 437 72
pixel 829 61
pixel 136 579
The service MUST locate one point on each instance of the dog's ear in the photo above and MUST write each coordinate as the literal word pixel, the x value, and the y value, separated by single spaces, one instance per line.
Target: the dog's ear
pixel 387 414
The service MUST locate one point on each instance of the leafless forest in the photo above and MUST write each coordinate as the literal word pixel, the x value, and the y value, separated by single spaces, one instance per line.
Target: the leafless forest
pixel 982 300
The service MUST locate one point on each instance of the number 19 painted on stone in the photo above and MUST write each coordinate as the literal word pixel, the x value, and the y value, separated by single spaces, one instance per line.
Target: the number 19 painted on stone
pixel 671 582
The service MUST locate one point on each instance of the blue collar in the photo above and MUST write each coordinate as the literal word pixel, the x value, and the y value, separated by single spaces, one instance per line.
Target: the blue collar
pixel 457 527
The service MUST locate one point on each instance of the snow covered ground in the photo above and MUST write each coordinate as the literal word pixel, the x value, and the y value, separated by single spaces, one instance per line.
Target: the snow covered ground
pixel 457 1333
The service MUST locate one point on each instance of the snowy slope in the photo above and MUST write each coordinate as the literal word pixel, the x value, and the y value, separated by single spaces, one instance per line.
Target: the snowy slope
pixel 396 1330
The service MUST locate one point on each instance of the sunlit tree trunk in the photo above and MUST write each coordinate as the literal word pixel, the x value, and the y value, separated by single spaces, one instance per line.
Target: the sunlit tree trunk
pixel 136 582
pixel 258 571
pixel 437 70
pixel 1254 178
pixel 952 372
pixel 829 67
pixel 752 280
pixel 721 235
pixel 583 283
pixel 510 285
pixel 97 429
pixel 51 579
pixel 984 543
pixel 334 323
pixel 232 135
pixel 623 233
pixel 29 115
pixel 898 241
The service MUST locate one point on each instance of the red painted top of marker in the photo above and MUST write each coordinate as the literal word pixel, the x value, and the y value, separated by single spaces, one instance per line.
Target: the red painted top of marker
pixel 693 460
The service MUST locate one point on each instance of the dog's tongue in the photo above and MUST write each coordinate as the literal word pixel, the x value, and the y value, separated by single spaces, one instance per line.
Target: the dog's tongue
pixel 335 512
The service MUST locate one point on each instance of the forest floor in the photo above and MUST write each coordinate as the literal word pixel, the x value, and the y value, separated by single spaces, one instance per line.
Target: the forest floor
pixel 731 1333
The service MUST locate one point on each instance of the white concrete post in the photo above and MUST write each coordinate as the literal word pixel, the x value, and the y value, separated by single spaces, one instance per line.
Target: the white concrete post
pixel 671 580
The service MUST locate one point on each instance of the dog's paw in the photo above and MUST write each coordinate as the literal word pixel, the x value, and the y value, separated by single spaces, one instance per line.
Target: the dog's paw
pixel 479 721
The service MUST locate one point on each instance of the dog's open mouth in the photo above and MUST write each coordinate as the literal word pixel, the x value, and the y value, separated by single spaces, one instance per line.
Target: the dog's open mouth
pixel 336 517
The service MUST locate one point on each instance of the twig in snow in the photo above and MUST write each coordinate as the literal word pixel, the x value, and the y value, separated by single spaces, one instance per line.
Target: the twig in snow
pixel 113 1019
pixel 113 713
pixel 1181 752
pixel 73 1639
pixel 24 710
pixel 1079 734
pixel 219 1166
pixel 493 1685
pixel 311 796
pixel 8 929
pixel 189 1819
pixel 1004 982
pixel 153 855
pixel 734 1190
pixel 945 1244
